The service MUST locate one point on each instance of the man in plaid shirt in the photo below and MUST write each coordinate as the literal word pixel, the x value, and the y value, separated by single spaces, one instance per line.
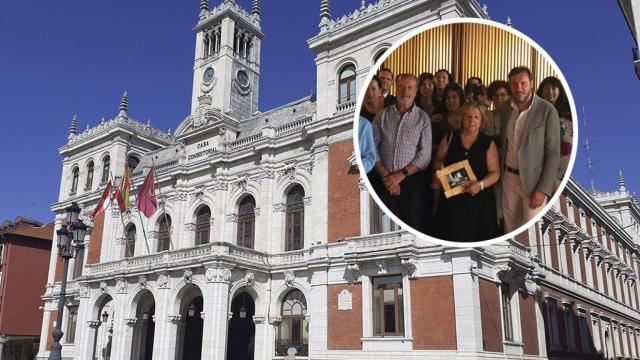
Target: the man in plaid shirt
pixel 402 133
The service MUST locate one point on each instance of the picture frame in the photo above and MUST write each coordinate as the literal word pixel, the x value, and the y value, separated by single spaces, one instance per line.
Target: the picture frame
pixel 454 177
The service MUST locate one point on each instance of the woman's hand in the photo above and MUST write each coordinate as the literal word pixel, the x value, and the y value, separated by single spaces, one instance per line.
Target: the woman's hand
pixel 472 188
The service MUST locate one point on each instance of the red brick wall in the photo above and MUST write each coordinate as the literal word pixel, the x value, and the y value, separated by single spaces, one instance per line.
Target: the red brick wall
pixel 433 313
pixel 553 246
pixel 59 269
pixel 583 269
pixel 568 251
pixel 563 204
pixel 95 242
pixel 529 323
pixel 25 276
pixel 344 194
pixel 490 314
pixel 344 326
pixel 523 238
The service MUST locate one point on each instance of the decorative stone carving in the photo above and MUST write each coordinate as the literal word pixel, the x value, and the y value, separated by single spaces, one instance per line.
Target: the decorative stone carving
pixel 231 218
pixel 199 192
pixel 289 171
pixel 267 174
pixel 180 196
pixel 289 277
pixel 258 319
pixel 187 275
pixel 130 321
pixel 163 280
pixel 121 241
pixel 250 278
pixel 275 320
pixel 190 227
pixel 174 318
pixel 278 208
pixel 307 201
pixel 382 267
pixel 229 315
pixel 219 184
pixel 94 324
pixel 218 274
pixel 361 185
pixel 121 287
pixel 103 286
pixel 241 183
pixel 308 166
pixel 142 280
pixel 411 264
pixel 256 211
pixel 83 291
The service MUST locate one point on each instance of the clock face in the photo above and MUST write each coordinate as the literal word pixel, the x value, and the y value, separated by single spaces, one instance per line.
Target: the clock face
pixel 208 75
pixel 243 78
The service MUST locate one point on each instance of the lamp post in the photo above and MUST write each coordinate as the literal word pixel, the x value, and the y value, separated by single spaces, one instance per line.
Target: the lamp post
pixel 70 241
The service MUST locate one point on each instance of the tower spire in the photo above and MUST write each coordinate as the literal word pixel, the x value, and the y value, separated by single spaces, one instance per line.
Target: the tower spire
pixel 73 129
pixel 204 6
pixel 621 183
pixel 509 23
pixel 255 7
pixel 124 105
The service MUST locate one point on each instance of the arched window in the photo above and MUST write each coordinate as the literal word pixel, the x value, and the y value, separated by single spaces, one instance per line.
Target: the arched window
pixel 203 226
pixel 347 84
pixel 294 327
pixel 132 162
pixel 246 222
pixel 295 219
pixel 379 55
pixel 130 241
pixel 164 233
pixel 89 182
pixel 106 165
pixel 74 180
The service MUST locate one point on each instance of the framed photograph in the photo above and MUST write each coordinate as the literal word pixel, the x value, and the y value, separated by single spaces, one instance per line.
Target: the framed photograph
pixel 454 177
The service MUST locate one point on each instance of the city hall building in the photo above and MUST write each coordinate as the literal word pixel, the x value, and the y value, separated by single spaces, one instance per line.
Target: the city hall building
pixel 266 244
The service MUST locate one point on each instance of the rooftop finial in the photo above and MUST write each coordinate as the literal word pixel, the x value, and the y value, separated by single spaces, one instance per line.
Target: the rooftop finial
pixel 621 183
pixel 509 21
pixel 635 199
pixel 73 129
pixel 362 5
pixel 124 104
pixel 204 6
pixel 325 10
pixel 255 7
pixel 485 10
pixel 325 15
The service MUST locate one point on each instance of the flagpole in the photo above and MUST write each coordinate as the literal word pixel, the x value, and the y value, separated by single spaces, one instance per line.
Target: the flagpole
pixel 153 164
pixel 111 203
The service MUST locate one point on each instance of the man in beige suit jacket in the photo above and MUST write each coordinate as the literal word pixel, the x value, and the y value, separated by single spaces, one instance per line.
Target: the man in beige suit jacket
pixel 530 152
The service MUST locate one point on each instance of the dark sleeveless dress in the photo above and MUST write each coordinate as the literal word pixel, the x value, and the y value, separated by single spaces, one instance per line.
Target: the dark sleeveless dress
pixel 469 218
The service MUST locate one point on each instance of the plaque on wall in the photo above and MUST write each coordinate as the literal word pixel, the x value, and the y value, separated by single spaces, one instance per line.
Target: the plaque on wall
pixel 345 300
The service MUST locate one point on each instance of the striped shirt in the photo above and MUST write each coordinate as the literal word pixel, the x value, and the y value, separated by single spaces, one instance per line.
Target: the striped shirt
pixel 402 139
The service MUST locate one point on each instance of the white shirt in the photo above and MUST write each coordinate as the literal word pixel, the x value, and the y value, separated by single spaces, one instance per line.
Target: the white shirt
pixel 515 134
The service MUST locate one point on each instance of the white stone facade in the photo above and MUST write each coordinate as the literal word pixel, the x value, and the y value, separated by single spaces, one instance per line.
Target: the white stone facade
pixel 222 153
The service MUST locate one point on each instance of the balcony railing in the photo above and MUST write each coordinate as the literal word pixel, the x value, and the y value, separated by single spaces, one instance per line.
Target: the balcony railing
pixel 283 346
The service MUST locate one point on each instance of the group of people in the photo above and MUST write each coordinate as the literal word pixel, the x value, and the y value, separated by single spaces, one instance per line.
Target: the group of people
pixel 517 142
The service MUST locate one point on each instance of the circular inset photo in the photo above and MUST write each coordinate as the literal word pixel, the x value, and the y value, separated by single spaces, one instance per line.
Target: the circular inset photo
pixel 466 132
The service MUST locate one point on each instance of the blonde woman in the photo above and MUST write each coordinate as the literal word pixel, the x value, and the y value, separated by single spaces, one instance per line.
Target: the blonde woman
pixel 470 216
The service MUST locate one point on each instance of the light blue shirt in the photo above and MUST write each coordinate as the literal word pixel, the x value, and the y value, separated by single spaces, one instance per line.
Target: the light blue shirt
pixel 367 145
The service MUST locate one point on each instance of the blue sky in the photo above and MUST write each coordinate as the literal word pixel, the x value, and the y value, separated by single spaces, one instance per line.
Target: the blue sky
pixel 71 57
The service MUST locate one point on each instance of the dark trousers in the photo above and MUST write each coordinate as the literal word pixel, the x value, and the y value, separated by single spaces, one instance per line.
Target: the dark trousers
pixel 411 205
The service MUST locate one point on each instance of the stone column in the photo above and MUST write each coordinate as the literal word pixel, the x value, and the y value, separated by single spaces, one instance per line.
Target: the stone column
pixel 85 328
pixel 216 297
pixel 165 331
pixel 467 302
pixel 120 326
pixel 317 312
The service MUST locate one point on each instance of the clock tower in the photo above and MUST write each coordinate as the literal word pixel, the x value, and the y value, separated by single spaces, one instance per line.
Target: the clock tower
pixel 226 71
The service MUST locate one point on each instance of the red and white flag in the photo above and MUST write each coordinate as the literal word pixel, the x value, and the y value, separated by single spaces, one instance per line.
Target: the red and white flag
pixel 105 201
pixel 146 200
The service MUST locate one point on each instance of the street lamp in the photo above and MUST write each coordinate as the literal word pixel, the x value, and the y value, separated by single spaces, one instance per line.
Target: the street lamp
pixel 70 241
